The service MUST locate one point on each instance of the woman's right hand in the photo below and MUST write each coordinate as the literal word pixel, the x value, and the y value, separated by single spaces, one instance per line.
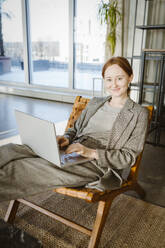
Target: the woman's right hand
pixel 62 141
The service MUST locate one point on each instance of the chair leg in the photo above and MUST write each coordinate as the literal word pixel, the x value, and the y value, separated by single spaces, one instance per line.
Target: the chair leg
pixel 11 211
pixel 139 190
pixel 102 212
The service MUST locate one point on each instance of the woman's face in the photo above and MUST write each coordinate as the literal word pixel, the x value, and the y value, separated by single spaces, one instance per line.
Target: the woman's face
pixel 116 81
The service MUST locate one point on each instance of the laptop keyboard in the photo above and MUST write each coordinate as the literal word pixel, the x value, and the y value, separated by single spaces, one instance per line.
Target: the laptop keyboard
pixel 69 158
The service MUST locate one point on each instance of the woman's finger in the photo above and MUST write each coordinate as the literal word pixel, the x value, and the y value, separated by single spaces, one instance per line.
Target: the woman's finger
pixel 80 152
pixel 64 143
pixel 73 148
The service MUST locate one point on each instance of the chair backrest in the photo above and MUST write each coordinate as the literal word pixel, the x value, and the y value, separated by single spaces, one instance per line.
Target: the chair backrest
pixel 79 104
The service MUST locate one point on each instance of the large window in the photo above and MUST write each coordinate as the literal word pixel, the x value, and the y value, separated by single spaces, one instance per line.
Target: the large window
pixel 49 41
pixel 89 49
pixel 53 44
pixel 11 36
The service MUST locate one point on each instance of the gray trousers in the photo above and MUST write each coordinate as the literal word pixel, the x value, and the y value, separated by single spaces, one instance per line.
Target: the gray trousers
pixel 23 173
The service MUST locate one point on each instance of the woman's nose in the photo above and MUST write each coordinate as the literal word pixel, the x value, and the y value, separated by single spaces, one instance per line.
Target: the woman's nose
pixel 114 83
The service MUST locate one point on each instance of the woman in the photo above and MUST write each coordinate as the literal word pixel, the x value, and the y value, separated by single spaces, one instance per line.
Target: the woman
pixel 111 131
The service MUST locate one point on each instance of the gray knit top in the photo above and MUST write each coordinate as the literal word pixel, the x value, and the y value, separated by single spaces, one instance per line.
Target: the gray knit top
pixel 101 123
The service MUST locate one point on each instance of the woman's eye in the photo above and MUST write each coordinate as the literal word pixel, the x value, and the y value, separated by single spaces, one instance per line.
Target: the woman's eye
pixel 120 78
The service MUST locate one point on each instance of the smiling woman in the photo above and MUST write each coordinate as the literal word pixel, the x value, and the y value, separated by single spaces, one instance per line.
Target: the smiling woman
pixel 110 132
pixel 117 74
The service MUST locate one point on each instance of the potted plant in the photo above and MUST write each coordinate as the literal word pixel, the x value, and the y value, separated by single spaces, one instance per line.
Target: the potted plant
pixel 110 15
pixel 5 62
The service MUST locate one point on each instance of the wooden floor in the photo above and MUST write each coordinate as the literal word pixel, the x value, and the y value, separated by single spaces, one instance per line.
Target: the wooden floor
pixel 48 110
pixel 152 170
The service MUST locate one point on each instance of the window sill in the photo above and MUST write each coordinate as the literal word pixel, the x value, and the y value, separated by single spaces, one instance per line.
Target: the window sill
pixel 54 95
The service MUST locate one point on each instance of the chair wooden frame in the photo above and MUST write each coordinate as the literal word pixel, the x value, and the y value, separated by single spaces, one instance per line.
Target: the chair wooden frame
pixel 104 199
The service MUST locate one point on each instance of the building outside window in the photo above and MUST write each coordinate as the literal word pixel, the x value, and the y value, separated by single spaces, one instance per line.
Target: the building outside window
pixel 11 68
pixel 89 37
pixel 39 44
pixel 49 42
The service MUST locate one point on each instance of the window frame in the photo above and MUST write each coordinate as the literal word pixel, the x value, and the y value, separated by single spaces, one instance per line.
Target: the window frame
pixel 28 63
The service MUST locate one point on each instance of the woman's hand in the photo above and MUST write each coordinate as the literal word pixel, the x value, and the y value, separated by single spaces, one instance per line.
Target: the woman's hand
pixel 82 150
pixel 62 141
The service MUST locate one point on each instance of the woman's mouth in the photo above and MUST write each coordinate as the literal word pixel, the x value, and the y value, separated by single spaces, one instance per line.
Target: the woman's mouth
pixel 116 89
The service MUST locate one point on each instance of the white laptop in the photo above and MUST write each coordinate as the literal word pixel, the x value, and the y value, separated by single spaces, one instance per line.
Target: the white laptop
pixel 40 136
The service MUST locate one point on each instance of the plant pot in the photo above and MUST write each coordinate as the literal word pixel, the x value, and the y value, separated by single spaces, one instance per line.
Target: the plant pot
pixel 5 64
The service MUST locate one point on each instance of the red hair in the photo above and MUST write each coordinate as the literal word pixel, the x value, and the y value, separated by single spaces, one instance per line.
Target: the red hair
pixel 120 61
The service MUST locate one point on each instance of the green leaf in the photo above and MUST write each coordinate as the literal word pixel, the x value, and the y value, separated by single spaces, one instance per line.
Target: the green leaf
pixel 111 15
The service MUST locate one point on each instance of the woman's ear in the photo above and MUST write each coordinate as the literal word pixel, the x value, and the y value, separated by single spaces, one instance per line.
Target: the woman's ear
pixel 131 78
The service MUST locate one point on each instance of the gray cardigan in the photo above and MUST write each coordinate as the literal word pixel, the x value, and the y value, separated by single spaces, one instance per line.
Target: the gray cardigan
pixel 126 141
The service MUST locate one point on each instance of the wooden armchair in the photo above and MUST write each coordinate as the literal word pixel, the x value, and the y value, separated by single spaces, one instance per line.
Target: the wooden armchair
pixel 104 199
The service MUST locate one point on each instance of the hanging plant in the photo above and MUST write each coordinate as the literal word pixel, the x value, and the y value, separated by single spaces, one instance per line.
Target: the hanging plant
pixel 110 15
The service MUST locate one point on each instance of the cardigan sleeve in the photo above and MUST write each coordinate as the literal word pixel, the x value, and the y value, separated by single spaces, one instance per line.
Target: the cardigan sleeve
pixel 126 156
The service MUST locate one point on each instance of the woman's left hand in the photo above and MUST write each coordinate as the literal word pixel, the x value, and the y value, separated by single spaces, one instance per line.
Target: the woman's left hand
pixel 82 150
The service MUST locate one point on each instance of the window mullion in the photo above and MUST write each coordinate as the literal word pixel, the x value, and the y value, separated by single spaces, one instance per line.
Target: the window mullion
pixel 28 67
pixel 71 44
